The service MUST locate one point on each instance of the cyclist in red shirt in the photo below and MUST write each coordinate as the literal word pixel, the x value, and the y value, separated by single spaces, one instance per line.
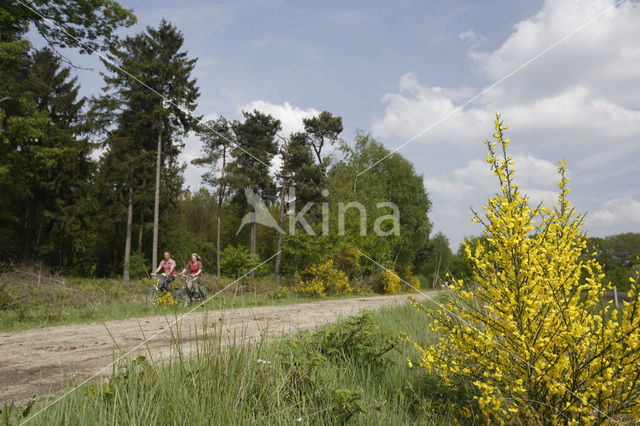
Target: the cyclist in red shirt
pixel 195 269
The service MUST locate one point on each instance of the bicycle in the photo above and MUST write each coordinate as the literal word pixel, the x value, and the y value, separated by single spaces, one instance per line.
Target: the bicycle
pixel 159 290
pixel 192 295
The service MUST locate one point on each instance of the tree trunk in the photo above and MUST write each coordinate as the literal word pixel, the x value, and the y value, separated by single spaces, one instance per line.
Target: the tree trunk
pixel 156 202
pixel 254 229
pixel 317 151
pixel 27 235
pixel 141 230
pixel 283 189
pixel 127 243
pixel 221 191
pixel 276 270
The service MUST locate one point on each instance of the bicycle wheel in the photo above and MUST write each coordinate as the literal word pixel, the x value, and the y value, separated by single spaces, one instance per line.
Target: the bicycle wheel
pixel 203 292
pixel 182 296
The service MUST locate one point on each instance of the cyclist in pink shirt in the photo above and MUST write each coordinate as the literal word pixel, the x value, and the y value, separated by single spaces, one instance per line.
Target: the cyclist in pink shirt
pixel 168 266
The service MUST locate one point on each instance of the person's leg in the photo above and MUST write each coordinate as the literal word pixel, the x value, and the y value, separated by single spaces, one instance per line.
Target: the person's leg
pixel 164 285
pixel 195 283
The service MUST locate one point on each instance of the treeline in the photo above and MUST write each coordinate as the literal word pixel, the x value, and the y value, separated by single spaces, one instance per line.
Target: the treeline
pixel 619 256
pixel 94 187
pixel 48 179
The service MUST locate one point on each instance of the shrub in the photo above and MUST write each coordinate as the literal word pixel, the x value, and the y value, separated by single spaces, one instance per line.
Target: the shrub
pixel 138 266
pixel 280 292
pixel 413 280
pixel 390 282
pixel 320 280
pixel 348 260
pixel 236 261
pixel 533 335
pixel 415 283
pixel 309 358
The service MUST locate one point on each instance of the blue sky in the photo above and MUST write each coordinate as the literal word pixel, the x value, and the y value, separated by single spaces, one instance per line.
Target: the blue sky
pixel 394 69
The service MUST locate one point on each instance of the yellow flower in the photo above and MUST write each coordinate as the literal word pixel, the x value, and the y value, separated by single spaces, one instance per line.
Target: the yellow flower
pixel 530 326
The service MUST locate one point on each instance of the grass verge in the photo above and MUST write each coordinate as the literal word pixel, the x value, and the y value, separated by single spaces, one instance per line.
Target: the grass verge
pixel 31 299
pixel 354 371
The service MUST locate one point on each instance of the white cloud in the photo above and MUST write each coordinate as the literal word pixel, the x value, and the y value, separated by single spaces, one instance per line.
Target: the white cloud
pixel 579 101
pixel 469 35
pixel 474 183
pixel 618 211
pixel 409 114
pixel 531 173
pixel 604 55
pixel 290 116
pixel 582 91
pixel 448 189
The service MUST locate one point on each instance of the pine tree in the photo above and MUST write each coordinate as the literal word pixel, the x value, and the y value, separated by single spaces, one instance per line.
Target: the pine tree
pixel 27 128
pixel 217 138
pixel 252 154
pixel 322 129
pixel 48 173
pixel 155 98
pixel 299 171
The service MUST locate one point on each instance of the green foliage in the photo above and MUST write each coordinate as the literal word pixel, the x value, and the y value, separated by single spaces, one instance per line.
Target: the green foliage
pixel 236 261
pixel 135 120
pixel 348 260
pixel 357 340
pixel 462 268
pixel 618 255
pixel 435 259
pixel 138 268
pixel 324 128
pixel 256 136
pixel 135 377
pixel 44 161
pixel 48 166
pixel 93 22
pixel 300 171
pixel 391 178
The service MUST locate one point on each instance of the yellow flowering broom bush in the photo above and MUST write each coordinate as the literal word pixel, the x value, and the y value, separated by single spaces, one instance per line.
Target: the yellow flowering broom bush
pixel 532 333
pixel 320 280
pixel 390 282
pixel 164 298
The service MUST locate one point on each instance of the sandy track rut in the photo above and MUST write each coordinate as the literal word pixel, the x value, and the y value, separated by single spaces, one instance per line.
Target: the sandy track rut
pixel 35 362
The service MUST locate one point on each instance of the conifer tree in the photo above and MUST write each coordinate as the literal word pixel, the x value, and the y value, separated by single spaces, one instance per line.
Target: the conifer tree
pixel 252 154
pixel 154 99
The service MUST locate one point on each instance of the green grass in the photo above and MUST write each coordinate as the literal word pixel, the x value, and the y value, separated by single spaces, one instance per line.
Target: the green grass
pixel 30 299
pixel 354 371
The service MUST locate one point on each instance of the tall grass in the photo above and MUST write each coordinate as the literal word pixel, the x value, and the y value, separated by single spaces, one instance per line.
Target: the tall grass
pixel 354 371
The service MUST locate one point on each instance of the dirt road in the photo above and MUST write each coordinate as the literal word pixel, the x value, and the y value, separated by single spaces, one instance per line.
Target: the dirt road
pixel 35 362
